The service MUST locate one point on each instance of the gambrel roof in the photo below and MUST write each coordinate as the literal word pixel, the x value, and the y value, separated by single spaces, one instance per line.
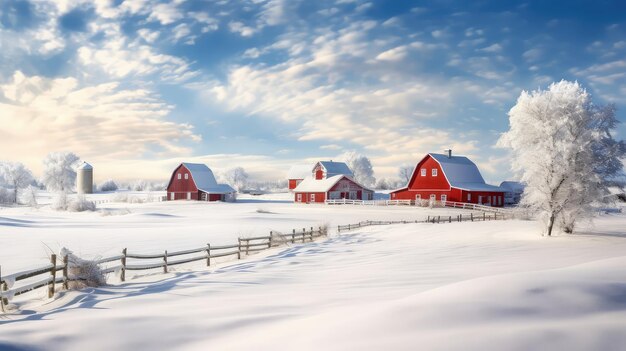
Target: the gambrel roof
pixel 204 179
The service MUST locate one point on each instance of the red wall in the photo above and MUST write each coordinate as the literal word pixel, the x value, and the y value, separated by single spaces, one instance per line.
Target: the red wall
pixel 345 185
pixel 306 197
pixel 182 186
pixel 428 181
pixel 293 183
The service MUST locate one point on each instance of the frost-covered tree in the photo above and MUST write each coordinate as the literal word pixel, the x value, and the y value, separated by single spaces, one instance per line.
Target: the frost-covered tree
pixel 361 167
pixel 59 174
pixel 109 185
pixel 17 176
pixel 405 173
pixel 563 149
pixel 237 177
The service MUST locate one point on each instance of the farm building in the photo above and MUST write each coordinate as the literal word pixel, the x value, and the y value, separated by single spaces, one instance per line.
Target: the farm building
pixel 443 177
pixel 195 181
pixel 297 173
pixel 330 181
pixel 512 192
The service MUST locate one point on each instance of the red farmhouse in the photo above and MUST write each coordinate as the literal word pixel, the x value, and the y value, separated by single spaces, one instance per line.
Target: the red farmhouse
pixel 194 181
pixel 449 178
pixel 330 181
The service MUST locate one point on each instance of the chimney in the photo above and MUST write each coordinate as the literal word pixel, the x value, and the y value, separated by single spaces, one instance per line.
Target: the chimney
pixel 448 152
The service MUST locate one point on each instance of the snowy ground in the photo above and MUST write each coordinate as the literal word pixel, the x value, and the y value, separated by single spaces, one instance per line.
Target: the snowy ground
pixel 28 235
pixel 469 286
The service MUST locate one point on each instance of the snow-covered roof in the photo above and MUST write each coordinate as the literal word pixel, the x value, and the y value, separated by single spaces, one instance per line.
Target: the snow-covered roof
pixel 335 168
pixel 312 185
pixel 299 171
pixel 462 173
pixel 512 186
pixel 85 165
pixel 204 179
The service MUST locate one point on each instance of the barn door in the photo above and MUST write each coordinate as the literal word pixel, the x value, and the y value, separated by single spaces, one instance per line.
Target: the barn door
pixel 204 197
pixel 172 196
pixel 188 196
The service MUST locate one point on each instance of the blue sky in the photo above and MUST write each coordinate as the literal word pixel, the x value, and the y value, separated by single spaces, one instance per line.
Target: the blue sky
pixel 264 84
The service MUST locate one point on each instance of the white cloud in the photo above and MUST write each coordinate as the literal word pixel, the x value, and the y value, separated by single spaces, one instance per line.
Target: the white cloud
pixel 494 48
pixel 395 54
pixel 98 122
pixel 532 54
pixel 241 29
pixel 165 13
pixel 148 35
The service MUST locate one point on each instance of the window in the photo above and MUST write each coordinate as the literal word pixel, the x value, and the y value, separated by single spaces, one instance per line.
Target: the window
pixel 444 198
pixel 312 197
pixel 433 197
pixel 418 197
pixel 299 197
pixel 186 175
pixel 493 200
pixel 434 172
pixel 423 172
pixel 469 197
pixel 179 176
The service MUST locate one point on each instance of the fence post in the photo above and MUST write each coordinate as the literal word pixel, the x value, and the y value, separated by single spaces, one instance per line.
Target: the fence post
pixel 303 233
pixel 471 217
pixel 165 262
pixel 484 216
pixel 293 236
pixel 311 233
pixel 123 275
pixel 348 226
pixel 53 272
pixel 450 219
pixel 239 249
pixel 208 255
pixel 247 246
pixel 66 283
pixel 338 229
pixel 438 219
pixel 428 220
pixel 3 288
pixel 270 243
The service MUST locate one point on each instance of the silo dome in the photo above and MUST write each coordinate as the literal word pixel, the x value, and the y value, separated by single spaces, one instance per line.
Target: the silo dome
pixel 84 179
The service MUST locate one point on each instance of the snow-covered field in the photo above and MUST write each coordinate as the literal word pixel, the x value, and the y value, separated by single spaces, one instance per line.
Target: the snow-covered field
pixel 28 235
pixel 459 286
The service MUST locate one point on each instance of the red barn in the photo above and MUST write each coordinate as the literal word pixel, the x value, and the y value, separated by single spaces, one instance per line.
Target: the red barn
pixel 443 177
pixel 330 181
pixel 194 181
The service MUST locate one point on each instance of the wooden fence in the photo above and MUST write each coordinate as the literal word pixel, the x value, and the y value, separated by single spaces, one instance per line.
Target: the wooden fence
pixel 423 203
pixel 131 261
pixel 432 219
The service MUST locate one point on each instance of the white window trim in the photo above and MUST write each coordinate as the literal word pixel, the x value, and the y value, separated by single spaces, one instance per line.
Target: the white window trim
pixel 444 198
pixel 186 175
pixel 469 197
pixel 418 197
pixel 299 197
pixel 312 197
pixel 180 176
pixel 433 172
pixel 423 172
pixel 433 197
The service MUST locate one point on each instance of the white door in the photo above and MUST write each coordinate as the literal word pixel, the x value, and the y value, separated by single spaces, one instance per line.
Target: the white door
pixel 480 199
pixel 299 197
pixel 418 197
pixel 172 196
pixel 444 198
pixel 188 196
pixel 352 195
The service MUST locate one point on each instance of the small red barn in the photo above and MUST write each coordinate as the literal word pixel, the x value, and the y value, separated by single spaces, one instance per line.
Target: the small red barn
pixel 195 181
pixel 443 177
pixel 337 187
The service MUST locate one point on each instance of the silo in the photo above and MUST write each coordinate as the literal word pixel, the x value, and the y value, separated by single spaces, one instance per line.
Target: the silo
pixel 84 179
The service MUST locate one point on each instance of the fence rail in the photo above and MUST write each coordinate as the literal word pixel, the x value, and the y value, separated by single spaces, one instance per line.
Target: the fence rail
pixel 432 219
pixel 130 261
pixel 453 204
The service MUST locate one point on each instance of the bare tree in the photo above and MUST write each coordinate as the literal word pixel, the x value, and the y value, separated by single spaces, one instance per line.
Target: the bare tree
pixel 405 173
